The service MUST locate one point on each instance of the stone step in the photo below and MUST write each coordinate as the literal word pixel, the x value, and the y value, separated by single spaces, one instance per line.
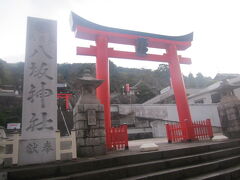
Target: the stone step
pixel 153 166
pixel 190 171
pixel 173 158
pixel 228 173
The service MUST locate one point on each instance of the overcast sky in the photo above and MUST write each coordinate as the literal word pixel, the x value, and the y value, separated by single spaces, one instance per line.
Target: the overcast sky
pixel 215 23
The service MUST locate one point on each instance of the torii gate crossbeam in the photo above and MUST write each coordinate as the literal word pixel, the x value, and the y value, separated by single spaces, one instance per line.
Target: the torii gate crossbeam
pixel 103 35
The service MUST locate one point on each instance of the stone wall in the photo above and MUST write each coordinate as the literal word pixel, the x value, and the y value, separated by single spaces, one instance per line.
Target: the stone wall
pixel 168 112
pixel 149 120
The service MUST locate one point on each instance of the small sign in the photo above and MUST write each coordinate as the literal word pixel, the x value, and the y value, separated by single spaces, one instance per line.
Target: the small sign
pixel 165 90
pixel 91 116
pixel 13 125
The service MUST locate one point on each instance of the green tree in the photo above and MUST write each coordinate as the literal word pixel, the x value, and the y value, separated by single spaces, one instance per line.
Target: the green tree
pixel 162 76
pixel 144 93
pixel 190 81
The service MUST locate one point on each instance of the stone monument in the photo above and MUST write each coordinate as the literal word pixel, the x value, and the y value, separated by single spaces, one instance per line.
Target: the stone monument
pixel 229 110
pixel 39 115
pixel 88 118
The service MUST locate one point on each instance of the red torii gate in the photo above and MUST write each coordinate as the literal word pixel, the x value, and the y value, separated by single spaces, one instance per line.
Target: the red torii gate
pixel 65 96
pixel 103 35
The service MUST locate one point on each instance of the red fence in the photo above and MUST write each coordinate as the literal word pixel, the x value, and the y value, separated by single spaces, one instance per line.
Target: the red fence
pixel 119 137
pixel 200 130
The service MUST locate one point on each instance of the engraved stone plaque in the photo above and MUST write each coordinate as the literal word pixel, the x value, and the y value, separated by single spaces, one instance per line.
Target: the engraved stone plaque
pixel 37 151
pixel 91 117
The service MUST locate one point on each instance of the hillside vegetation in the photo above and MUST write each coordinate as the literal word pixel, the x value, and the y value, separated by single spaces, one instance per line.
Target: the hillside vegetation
pixel 148 83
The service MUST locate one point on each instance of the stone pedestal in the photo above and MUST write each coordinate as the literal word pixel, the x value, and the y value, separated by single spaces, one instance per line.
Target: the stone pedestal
pixel 90 132
pixel 229 114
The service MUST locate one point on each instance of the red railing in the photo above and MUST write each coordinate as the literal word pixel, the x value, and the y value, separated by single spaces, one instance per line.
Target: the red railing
pixel 119 137
pixel 184 131
pixel 203 129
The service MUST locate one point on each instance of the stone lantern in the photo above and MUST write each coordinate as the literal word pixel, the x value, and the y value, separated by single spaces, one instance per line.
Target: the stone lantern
pixel 88 118
pixel 229 110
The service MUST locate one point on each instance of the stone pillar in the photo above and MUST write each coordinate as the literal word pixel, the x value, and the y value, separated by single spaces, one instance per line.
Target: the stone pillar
pixel 88 119
pixel 39 115
pixel 229 114
pixel 229 109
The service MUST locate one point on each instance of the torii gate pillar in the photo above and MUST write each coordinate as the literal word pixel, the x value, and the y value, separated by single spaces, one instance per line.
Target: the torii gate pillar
pixel 102 72
pixel 179 90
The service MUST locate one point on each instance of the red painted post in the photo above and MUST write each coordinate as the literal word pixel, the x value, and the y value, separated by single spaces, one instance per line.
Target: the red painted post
pixel 103 91
pixel 209 127
pixel 168 130
pixel 126 135
pixel 179 89
pixel 183 126
pixel 66 99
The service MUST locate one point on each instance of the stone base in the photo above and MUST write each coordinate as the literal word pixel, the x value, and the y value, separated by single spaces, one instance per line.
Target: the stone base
pixel 35 151
pixel 88 151
pixel 90 132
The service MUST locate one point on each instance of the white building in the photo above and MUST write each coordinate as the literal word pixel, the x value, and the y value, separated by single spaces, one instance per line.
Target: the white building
pixel 208 95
